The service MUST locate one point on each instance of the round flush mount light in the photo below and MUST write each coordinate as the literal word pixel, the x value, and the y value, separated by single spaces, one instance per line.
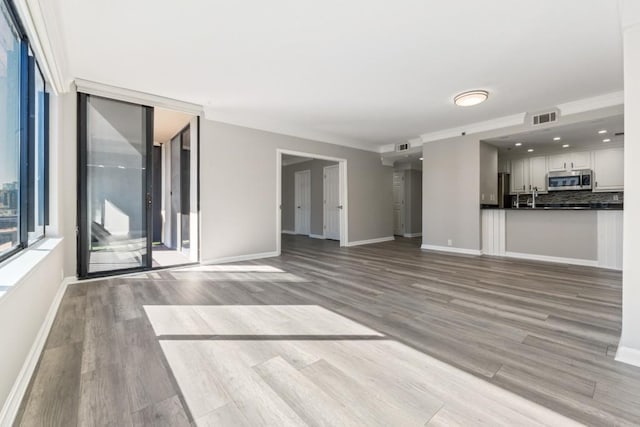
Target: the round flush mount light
pixel 472 97
pixel 565 146
pixel 518 144
pixel 557 138
pixel 606 140
pixel 530 150
pixel 421 158
pixel 602 131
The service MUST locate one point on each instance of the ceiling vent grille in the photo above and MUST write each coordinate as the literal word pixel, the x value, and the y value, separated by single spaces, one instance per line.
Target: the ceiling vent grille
pixel 544 118
pixel 402 147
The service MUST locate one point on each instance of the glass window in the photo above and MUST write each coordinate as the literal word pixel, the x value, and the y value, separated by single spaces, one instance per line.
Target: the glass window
pixel 37 155
pixel 9 133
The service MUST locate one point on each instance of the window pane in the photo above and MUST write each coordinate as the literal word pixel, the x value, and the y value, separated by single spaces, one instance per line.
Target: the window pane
pixel 36 199
pixel 9 133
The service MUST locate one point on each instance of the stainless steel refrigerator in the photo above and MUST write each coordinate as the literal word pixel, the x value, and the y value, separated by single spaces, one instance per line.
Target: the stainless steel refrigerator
pixel 504 198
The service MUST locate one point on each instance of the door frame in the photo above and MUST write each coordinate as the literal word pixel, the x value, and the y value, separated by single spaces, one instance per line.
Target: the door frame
pixel 403 205
pixel 82 213
pixel 296 201
pixel 324 199
pixel 343 191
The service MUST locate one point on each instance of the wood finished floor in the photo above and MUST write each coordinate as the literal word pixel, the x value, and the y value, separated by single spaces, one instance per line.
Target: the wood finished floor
pixel 546 332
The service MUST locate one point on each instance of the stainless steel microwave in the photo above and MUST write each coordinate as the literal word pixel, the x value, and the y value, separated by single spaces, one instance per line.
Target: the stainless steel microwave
pixel 570 180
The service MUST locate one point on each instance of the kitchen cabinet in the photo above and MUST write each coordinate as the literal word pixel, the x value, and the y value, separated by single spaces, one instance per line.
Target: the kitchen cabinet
pixel 608 169
pixel 529 173
pixel 504 165
pixel 538 173
pixel 570 161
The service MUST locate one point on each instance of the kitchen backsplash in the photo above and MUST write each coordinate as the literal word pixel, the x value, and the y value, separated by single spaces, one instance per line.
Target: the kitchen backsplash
pixel 574 197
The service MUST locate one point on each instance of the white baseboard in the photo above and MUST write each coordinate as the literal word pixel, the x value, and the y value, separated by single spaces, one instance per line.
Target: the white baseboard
pixel 410 235
pixel 546 258
pixel 238 258
pixel 12 404
pixel 288 232
pixel 463 251
pixel 317 236
pixel 628 355
pixel 370 241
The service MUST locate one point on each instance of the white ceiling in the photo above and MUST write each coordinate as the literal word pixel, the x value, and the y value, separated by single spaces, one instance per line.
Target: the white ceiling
pixel 167 123
pixel 584 134
pixel 359 72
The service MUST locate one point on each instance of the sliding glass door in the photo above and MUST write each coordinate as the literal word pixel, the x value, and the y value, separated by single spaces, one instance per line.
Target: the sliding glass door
pixel 114 185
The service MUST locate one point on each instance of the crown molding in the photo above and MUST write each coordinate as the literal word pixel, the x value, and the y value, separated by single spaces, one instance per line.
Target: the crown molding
pixel 129 95
pixel 471 128
pixel 210 113
pixel 593 103
pixel 44 36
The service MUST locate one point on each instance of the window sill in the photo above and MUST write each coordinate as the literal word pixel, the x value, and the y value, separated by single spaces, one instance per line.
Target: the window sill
pixel 16 268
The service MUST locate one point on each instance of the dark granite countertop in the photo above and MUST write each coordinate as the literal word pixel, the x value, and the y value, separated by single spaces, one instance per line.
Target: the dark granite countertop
pixel 564 207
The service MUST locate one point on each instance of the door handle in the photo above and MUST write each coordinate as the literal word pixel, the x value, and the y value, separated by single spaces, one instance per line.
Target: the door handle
pixel 565 165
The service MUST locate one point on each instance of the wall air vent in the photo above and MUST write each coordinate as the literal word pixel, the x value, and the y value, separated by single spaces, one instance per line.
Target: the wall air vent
pixel 544 118
pixel 402 147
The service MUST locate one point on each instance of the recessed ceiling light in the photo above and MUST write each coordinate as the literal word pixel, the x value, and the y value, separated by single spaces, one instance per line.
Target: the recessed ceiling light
pixel 565 145
pixel 557 138
pixel 518 144
pixel 473 97
pixel 606 140
pixel 602 131
pixel 530 150
pixel 421 158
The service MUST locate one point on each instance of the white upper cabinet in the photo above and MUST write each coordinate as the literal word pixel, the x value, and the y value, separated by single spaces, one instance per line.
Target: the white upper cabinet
pixel 527 174
pixel 570 161
pixel 538 173
pixel 608 169
pixel 519 175
pixel 504 165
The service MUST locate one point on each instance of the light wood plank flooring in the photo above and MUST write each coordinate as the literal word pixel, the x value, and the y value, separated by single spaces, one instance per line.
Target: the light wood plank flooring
pixel 365 335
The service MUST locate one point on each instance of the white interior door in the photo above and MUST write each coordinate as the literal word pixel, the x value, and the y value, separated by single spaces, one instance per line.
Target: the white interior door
pixel 398 203
pixel 332 205
pixel 303 202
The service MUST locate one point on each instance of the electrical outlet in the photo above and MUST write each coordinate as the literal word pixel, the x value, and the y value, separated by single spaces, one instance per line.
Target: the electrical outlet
pixel 450 242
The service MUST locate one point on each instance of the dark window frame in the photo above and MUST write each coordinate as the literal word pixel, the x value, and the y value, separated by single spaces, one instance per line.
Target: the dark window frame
pixel 27 142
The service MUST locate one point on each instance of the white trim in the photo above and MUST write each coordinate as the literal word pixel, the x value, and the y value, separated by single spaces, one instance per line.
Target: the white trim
pixel 370 241
pixel 288 232
pixel 463 251
pixel 317 236
pixel 237 258
pixel 324 197
pixel 628 355
pixel 411 235
pixel 129 95
pixel 487 125
pixel 547 258
pixel 17 392
pixel 344 198
pixel 280 128
pixel 40 40
pixel 593 103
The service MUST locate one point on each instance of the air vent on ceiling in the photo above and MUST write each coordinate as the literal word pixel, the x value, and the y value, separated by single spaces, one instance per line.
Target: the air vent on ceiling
pixel 544 118
pixel 402 147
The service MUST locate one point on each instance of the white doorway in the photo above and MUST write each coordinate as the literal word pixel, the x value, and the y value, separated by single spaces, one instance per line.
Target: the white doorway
pixel 398 204
pixel 331 199
pixel 303 202
pixel 285 215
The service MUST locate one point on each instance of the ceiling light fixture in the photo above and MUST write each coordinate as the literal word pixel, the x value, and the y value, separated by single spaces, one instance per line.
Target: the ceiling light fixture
pixel 565 145
pixel 530 150
pixel 421 158
pixel 602 131
pixel 518 144
pixel 557 138
pixel 472 97
pixel 606 140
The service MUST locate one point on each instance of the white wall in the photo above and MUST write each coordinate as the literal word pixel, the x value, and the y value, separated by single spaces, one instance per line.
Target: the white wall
pixel 24 308
pixel 238 196
pixel 629 348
